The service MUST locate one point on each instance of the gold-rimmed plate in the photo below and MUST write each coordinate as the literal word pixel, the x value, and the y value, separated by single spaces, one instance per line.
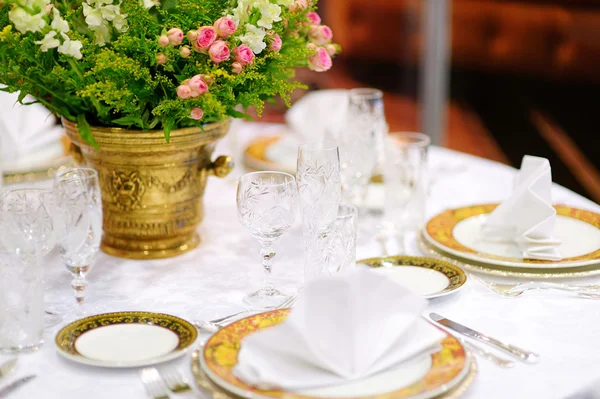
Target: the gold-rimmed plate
pixel 429 377
pixel 125 339
pixel 456 232
pixel 213 391
pixel 428 277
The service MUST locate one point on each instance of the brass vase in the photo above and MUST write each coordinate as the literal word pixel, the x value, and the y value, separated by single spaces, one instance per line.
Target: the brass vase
pixel 151 190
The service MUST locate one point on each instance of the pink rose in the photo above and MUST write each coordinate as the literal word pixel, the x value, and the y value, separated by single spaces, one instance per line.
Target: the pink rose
pixel 184 91
pixel 197 85
pixel 207 78
pixel 196 113
pixel 298 5
pixel 243 54
pixel 175 36
pixel 224 27
pixel 219 52
pixel 236 67
pixel 312 46
pixel 206 37
pixel 192 36
pixel 321 61
pixel 185 52
pixel 163 41
pixel 331 49
pixel 161 58
pixel 321 34
pixel 314 18
pixel 275 44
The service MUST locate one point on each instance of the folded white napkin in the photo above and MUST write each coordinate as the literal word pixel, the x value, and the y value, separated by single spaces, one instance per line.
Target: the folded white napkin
pixel 318 114
pixel 343 328
pixel 25 129
pixel 527 217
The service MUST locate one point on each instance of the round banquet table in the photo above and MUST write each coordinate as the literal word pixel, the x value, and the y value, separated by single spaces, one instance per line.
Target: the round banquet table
pixel 211 281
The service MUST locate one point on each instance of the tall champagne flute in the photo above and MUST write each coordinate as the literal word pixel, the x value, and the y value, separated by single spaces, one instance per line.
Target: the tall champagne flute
pixel 266 207
pixel 79 206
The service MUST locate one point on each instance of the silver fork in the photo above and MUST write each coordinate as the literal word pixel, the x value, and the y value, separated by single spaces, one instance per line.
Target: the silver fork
pixel 217 324
pixel 517 289
pixel 176 382
pixel 153 383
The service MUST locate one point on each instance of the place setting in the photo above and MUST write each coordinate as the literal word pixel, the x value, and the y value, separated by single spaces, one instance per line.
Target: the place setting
pixel 350 255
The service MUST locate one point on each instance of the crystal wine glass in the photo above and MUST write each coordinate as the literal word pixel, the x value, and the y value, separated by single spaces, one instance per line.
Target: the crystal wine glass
pixel 78 202
pixel 31 211
pixel 266 204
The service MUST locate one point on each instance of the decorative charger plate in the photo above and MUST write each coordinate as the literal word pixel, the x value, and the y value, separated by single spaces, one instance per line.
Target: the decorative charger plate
pixel 216 392
pixel 125 339
pixel 456 232
pixel 428 277
pixel 429 377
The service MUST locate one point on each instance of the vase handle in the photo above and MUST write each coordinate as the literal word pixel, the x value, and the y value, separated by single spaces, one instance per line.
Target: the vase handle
pixel 221 167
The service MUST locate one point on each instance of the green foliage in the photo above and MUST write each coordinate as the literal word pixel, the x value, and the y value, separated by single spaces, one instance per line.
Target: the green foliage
pixel 121 82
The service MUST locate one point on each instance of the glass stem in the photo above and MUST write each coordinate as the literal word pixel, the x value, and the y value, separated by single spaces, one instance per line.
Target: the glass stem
pixel 267 254
pixel 79 284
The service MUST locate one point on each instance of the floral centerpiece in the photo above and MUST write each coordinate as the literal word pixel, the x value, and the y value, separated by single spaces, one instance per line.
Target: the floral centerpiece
pixel 153 68
pixel 150 65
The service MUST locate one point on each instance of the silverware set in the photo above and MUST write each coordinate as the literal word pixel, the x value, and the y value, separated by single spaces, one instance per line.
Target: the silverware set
pixel 216 324
pixel 158 384
pixel 5 369
pixel 521 354
pixel 513 290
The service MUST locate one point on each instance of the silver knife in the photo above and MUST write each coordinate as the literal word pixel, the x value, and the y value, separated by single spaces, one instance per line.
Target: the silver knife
pixel 7 367
pixel 521 354
pixel 15 384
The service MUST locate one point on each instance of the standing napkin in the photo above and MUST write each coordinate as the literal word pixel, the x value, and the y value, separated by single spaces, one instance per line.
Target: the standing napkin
pixel 527 217
pixel 344 327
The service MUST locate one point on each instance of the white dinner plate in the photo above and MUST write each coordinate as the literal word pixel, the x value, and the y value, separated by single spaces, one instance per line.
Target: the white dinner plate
pixel 125 339
pixel 456 232
pixel 421 378
pixel 428 277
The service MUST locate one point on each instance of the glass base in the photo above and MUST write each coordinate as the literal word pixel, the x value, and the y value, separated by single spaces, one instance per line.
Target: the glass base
pixel 51 319
pixel 266 298
pixel 21 348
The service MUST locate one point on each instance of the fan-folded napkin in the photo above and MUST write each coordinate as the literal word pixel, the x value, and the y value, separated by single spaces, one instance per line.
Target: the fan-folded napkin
pixel 25 129
pixel 343 328
pixel 527 218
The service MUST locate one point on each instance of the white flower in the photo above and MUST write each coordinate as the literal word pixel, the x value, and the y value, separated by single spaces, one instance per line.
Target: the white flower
pixel 102 34
pixel 240 13
pixel 269 13
pixel 285 3
pixel 93 16
pixel 39 4
pixel 120 23
pixel 49 41
pixel 70 47
pixel 254 38
pixel 26 22
pixel 149 3
pixel 58 23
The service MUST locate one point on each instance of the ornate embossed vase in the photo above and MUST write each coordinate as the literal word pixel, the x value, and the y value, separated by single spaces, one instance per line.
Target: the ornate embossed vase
pixel 151 190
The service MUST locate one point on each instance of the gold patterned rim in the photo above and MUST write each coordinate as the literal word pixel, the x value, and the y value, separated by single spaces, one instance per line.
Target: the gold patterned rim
pixel 449 366
pixel 500 271
pixel 255 157
pixel 456 276
pixel 213 391
pixel 67 337
pixel 440 230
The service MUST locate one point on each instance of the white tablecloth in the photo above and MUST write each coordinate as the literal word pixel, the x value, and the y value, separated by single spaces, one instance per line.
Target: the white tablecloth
pixel 211 280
